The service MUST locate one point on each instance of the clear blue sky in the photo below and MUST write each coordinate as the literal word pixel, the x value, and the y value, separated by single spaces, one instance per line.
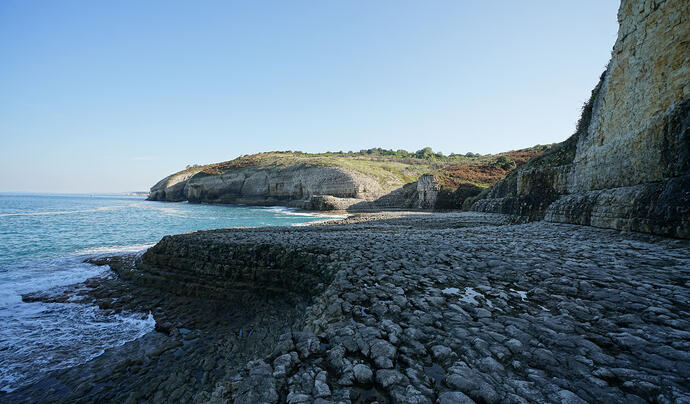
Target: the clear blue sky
pixel 100 96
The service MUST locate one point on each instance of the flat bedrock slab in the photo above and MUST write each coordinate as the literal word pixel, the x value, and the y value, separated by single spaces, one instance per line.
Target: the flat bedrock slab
pixel 401 310
pixel 523 313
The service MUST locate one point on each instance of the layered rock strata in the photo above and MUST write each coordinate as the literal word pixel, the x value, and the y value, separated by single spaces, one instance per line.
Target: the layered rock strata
pixel 628 164
pixel 216 265
pixel 299 186
pixel 291 185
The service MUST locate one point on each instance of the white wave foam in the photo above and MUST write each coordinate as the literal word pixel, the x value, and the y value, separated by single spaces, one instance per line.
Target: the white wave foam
pixel 66 212
pixel 46 274
pixel 330 218
pixel 295 212
pixel 170 211
pixel 325 217
pixel 37 338
pixel 115 249
pixel 43 275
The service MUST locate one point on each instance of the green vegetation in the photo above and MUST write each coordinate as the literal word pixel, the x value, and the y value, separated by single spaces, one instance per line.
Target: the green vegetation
pixel 426 153
pixel 391 168
pixel 505 163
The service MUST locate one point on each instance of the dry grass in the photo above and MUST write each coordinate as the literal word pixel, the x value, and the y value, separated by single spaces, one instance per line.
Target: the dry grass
pixel 389 171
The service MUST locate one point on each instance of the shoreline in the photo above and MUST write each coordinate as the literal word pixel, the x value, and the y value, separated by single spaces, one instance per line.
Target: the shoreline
pixel 371 304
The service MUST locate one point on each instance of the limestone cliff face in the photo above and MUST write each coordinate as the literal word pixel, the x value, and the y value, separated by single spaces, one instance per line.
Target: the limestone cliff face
pixel 319 188
pixel 628 141
pixel 172 188
pixel 295 185
pixel 427 192
pixel 628 165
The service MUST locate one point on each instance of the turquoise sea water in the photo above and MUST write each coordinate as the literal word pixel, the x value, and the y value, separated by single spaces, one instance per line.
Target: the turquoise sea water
pixel 43 241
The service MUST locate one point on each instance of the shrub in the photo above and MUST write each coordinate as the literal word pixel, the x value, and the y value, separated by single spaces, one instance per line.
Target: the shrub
pixel 505 163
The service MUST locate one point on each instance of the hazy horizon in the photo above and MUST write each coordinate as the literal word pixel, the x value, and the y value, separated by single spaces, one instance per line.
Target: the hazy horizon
pixel 112 97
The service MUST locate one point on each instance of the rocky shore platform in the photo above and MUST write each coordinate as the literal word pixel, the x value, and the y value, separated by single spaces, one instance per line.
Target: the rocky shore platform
pixel 402 308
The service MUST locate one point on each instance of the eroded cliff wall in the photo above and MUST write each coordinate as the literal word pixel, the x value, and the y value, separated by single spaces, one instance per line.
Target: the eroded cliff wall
pixel 628 165
pixel 293 186
pixel 319 188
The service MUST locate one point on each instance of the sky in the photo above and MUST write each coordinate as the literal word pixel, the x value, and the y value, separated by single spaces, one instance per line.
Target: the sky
pixel 100 96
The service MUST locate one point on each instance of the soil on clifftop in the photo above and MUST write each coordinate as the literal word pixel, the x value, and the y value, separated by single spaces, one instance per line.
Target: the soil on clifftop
pixel 373 178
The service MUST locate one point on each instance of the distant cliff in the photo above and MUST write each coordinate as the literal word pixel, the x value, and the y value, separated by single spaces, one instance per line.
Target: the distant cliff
pixel 628 164
pixel 371 179
pixel 292 185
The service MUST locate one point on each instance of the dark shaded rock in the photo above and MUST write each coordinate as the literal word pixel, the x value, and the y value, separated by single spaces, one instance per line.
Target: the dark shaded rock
pixel 593 312
pixel 454 397
pixel 164 327
pixel 363 373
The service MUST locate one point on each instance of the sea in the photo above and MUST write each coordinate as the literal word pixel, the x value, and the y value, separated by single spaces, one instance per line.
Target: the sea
pixel 44 239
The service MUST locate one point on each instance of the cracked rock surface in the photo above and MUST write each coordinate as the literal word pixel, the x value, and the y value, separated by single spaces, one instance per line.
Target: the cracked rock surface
pixel 399 311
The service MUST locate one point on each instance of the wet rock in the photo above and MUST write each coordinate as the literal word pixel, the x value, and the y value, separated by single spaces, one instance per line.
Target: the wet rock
pixel 321 388
pixel 284 364
pixel 363 373
pixel 514 345
pixel 296 398
pixel 568 397
pixel 382 353
pixel 306 344
pixel 454 397
pixel 259 386
pixel 388 377
pixel 164 327
pixel 440 352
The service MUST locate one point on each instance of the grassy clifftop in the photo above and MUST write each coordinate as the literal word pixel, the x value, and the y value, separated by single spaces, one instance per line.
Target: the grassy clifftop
pixel 389 166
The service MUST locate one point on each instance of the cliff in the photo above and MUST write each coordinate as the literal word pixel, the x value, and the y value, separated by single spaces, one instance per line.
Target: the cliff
pixel 341 181
pixel 282 179
pixel 628 164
